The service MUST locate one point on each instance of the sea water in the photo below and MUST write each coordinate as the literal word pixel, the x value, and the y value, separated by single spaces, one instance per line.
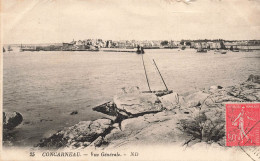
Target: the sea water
pixel 45 87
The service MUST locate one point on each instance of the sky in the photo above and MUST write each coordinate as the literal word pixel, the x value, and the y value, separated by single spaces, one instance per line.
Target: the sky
pixel 56 21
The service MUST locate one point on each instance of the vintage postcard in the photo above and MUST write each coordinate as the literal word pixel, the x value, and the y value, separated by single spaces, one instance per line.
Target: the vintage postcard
pixel 130 80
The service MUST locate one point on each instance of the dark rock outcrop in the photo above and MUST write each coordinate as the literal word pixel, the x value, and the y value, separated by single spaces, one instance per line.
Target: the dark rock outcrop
pixel 11 120
pixel 108 108
pixel 254 78
pixel 74 112
pixel 81 134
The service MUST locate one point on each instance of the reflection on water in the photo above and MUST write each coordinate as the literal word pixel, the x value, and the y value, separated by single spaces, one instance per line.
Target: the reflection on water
pixel 46 86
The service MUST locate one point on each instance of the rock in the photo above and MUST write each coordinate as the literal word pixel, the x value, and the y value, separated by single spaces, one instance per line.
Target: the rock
pixel 84 131
pixel 87 130
pixel 115 125
pixel 86 143
pixel 98 142
pixel 74 113
pixel 137 103
pixel 162 92
pixel 214 88
pixel 170 101
pixel 149 129
pixel 11 120
pixel 108 108
pixel 196 99
pixel 251 98
pixel 220 87
pixel 247 91
pixel 49 133
pixel 133 124
pixel 254 78
pixel 134 89
pixel 42 120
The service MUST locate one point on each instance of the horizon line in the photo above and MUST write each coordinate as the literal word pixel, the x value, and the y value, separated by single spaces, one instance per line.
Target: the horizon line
pixel 135 40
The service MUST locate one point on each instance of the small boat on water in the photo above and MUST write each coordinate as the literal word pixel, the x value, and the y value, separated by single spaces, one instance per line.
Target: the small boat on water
pixel 234 49
pixel 223 52
pixel 9 48
pixel 27 49
pixel 140 50
pixel 220 52
pixel 183 47
pixel 201 50
pixel 245 49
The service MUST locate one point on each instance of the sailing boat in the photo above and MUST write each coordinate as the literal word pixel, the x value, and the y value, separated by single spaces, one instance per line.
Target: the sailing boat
pixel 221 50
pixel 200 49
pixel 140 50
pixel 3 49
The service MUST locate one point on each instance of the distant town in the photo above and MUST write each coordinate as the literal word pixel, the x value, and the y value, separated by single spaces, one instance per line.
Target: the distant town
pixel 130 45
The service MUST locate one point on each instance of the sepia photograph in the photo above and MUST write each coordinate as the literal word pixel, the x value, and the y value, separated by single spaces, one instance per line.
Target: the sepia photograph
pixel 130 80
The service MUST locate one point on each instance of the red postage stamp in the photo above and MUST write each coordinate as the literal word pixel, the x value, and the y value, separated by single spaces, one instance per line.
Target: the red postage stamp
pixel 243 124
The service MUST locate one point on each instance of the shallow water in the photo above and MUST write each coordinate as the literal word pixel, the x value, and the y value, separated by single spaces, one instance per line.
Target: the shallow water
pixel 47 86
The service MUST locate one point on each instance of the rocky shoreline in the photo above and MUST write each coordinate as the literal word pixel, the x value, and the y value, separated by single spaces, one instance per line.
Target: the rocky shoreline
pixel 140 118
pixel 158 118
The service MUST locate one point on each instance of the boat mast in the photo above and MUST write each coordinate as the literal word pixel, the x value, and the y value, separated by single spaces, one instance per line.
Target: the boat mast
pixel 146 75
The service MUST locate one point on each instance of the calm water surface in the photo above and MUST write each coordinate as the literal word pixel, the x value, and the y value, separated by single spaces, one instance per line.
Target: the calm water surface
pixel 47 86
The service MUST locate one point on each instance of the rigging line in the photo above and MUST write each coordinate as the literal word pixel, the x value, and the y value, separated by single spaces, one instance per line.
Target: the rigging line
pixel 154 67
pixel 160 75
pixel 146 74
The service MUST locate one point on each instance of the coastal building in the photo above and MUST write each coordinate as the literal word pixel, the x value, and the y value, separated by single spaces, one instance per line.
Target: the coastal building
pixel 172 44
pixel 79 43
pixel 129 44
pixel 146 44
pixel 156 43
pixel 109 43
pixel 121 44
pixel 67 46
pixel 215 45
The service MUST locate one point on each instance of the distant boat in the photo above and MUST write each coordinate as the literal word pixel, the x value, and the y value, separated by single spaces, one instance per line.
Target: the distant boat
pixel 223 52
pixel 9 48
pixel 235 49
pixel 247 50
pixel 27 48
pixel 140 50
pixel 201 50
pixel 220 52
